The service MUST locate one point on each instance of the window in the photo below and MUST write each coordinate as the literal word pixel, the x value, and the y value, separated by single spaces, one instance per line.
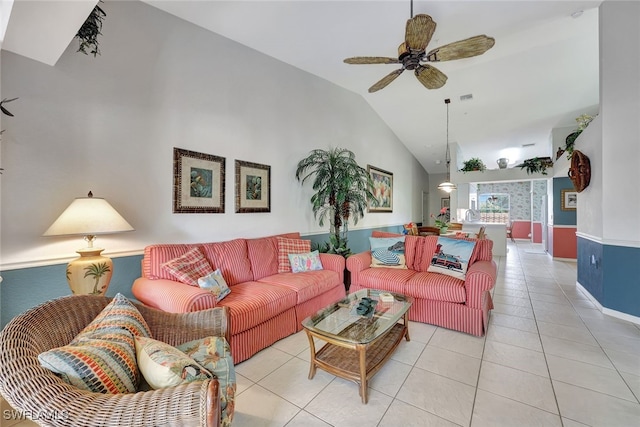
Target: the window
pixel 494 207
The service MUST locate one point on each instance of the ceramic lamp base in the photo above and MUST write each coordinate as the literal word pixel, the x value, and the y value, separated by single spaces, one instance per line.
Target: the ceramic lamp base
pixel 89 274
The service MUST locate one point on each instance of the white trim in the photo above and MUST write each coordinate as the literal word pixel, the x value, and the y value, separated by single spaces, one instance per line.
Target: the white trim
pixel 377 227
pixel 62 260
pixel 564 226
pixel 555 258
pixel 609 242
pixel 608 311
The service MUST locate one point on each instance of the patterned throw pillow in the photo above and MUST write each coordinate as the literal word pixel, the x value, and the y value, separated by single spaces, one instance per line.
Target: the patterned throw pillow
pixel 189 267
pixel 451 257
pixel 214 354
pixel 305 262
pixel 165 366
pixel 387 252
pixel 215 284
pixel 290 246
pixel 102 357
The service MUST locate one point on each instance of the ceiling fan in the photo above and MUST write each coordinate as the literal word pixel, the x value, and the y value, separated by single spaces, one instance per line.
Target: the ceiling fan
pixel 413 56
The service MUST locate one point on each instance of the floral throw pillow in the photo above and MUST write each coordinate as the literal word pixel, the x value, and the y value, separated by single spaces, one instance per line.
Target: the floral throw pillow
pixel 214 354
pixel 165 366
pixel 189 267
pixel 215 284
pixel 305 262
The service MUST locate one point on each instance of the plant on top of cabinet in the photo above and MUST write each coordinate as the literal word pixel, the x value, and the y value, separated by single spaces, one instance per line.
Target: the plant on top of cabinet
pixel 473 164
pixel 536 164
pixel 90 30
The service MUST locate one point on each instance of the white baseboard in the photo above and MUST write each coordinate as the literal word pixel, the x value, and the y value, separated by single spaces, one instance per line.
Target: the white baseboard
pixel 608 311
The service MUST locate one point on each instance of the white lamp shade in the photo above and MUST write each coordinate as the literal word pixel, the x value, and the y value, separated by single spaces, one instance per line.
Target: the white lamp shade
pixel 88 216
pixel 447 187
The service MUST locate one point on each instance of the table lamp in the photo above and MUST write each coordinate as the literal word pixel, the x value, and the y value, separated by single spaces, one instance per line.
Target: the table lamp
pixel 89 216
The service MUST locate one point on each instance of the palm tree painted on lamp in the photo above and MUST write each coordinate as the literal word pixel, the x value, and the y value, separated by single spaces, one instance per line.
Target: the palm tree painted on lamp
pixel 97 271
pixel 343 190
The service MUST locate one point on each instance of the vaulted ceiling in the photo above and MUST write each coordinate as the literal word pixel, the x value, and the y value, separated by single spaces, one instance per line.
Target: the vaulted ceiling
pixel 541 74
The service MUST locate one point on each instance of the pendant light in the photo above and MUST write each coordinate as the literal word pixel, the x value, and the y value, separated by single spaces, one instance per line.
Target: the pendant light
pixel 447 186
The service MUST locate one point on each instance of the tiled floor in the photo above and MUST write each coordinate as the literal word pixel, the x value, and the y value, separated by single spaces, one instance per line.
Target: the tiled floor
pixel 550 358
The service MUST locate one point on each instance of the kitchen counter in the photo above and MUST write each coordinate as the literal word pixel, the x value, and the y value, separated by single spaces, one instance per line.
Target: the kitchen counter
pixel 494 231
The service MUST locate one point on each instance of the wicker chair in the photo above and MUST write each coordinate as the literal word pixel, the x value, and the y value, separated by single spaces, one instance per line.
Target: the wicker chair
pixel 43 397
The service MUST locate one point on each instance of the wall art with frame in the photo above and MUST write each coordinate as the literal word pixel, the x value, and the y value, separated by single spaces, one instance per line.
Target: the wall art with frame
pixel 198 182
pixel 569 200
pixel 253 187
pixel 382 189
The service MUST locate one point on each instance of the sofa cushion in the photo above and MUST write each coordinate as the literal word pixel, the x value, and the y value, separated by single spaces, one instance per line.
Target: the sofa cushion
pixel 307 285
pixel 156 255
pixel 387 252
pixel 189 267
pixel 290 246
pixel 434 286
pixel 386 279
pixel 165 366
pixel 252 303
pixel 305 262
pixel 214 354
pixel 451 257
pixel 215 284
pixel 232 258
pixel 263 254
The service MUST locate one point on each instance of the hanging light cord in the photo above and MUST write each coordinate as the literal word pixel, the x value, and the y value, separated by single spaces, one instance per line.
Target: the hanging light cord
pixel 448 154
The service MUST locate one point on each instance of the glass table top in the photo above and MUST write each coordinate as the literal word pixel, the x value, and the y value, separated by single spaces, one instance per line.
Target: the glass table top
pixel 342 322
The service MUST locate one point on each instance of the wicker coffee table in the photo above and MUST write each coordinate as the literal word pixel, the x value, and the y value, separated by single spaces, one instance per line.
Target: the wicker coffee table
pixel 357 346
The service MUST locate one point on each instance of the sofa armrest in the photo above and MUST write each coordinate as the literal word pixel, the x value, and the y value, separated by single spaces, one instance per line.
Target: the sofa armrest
pixel 172 296
pixel 481 277
pixel 356 263
pixel 333 262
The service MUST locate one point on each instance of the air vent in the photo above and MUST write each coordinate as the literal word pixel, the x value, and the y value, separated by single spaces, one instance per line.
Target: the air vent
pixel 467 97
pixel 529 145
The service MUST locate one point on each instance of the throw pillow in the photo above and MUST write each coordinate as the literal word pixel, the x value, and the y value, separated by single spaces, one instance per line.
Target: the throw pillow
pixel 451 257
pixel 290 246
pixel 102 357
pixel 387 252
pixel 120 313
pixel 214 354
pixel 216 284
pixel 189 267
pixel 305 262
pixel 165 366
pixel 99 365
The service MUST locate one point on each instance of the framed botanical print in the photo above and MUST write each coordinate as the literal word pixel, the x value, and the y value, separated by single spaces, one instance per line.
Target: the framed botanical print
pixel 382 189
pixel 253 187
pixel 445 202
pixel 198 182
pixel 569 200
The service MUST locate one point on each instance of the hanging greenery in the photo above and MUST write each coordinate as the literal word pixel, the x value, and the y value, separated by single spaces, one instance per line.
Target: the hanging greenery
pixel 90 30
pixel 473 164
pixel 583 121
pixel 536 164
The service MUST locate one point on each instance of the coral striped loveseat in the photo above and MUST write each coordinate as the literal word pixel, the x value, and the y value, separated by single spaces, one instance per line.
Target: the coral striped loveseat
pixel 438 299
pixel 264 305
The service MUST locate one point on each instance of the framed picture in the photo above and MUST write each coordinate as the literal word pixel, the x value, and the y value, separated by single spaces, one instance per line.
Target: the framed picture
pixel 444 202
pixel 382 189
pixel 198 182
pixel 569 200
pixel 253 187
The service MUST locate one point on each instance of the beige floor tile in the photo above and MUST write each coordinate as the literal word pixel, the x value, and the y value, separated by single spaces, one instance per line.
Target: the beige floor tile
pixel 516 357
pixel 459 342
pixel 262 363
pixel 593 408
pixel 633 381
pixel 513 300
pixel 571 333
pixel 515 384
pixel 421 332
pixel 258 407
pixel 513 310
pixel 408 351
pixel 305 419
pixel 567 318
pixel 515 322
pixel 491 410
pixel 390 378
pixel 624 361
pixel 405 415
pixel 293 344
pixel 575 351
pixel 515 337
pixel 450 364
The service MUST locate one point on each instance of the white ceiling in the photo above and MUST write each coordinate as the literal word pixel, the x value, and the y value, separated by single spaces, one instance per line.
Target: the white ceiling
pixel 541 74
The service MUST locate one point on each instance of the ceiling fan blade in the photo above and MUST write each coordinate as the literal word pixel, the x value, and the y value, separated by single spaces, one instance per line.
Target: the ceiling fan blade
pixel 386 80
pixel 430 76
pixel 419 30
pixel 371 60
pixel 466 48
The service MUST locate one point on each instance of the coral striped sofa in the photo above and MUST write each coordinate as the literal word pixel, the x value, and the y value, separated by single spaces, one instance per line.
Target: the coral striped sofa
pixel 438 299
pixel 264 305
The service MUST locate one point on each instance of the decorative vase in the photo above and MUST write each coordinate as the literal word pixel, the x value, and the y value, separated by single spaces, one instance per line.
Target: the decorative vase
pixel 503 162
pixel 444 229
pixel 89 274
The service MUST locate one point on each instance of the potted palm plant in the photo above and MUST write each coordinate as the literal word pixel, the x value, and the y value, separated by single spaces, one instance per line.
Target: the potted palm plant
pixel 343 190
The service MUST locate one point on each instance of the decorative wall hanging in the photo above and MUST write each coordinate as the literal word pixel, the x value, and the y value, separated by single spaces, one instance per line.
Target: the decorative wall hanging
pixel 198 182
pixel 569 200
pixel 253 187
pixel 382 189
pixel 580 170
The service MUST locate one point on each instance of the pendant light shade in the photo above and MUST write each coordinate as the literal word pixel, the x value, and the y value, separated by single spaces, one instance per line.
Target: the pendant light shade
pixel 447 186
